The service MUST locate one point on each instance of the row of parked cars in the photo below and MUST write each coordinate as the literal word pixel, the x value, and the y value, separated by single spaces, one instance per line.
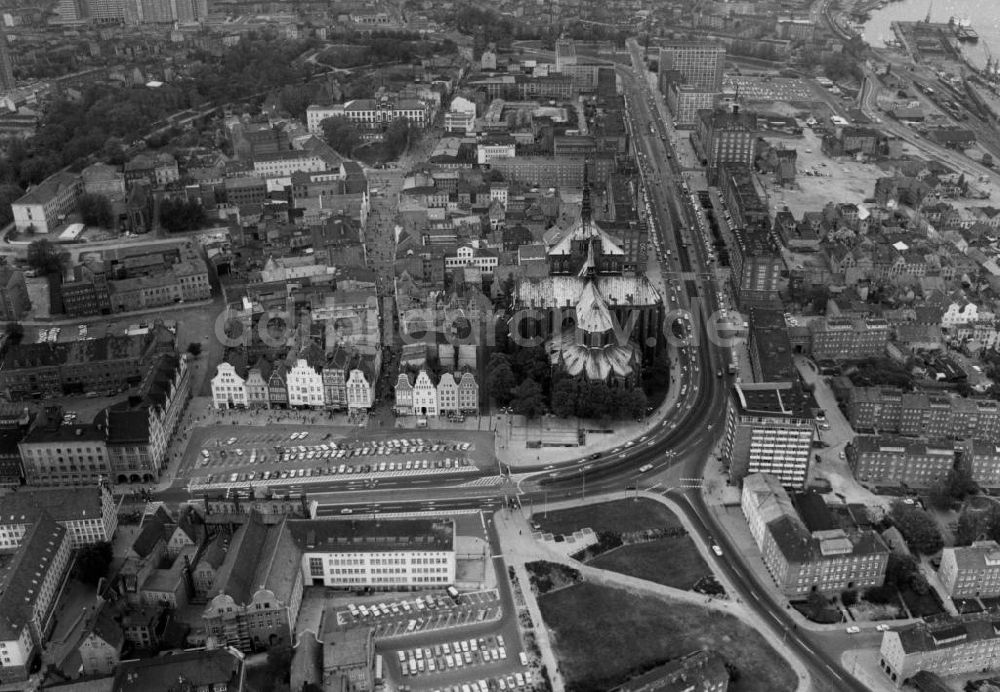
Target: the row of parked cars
pixel 449 656
pixel 378 610
pixel 517 681
pixel 334 450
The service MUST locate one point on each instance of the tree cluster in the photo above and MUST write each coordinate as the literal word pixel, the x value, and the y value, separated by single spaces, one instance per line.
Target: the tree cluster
pixel 952 487
pixel 95 210
pixel 880 371
pixel 978 523
pixel 372 49
pixel 576 397
pixel 341 134
pixel 45 258
pixel 177 215
pixel 919 529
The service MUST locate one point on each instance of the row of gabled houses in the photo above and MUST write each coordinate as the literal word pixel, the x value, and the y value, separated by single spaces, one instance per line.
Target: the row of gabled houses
pixel 344 380
pixel 452 394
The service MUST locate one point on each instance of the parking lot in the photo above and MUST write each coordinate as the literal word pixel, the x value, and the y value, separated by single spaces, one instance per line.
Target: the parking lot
pixel 769 88
pixel 304 456
pixel 474 656
pixel 423 614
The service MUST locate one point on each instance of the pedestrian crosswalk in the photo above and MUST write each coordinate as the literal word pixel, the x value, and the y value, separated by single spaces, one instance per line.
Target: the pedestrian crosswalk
pixel 484 482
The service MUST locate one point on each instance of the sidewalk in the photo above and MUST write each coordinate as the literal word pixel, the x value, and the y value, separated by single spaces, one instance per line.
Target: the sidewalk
pixel 514 532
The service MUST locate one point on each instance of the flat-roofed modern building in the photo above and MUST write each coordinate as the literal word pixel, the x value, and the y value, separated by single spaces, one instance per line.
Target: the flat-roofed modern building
pixel 950 646
pixel 769 429
pixel 700 64
pixel 90 515
pixel 847 338
pixel 891 461
pixel 385 555
pixel 971 571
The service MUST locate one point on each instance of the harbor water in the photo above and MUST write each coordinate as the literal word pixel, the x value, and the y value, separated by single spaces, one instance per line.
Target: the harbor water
pixel 981 15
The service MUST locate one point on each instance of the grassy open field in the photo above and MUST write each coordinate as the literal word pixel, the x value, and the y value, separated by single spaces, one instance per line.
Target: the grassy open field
pixel 603 636
pixel 672 561
pixel 620 516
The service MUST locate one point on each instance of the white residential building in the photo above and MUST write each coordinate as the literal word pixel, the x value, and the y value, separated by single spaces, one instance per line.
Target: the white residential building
pixel 90 515
pixel 228 388
pixel 44 206
pixel 282 164
pixel 29 584
pixel 425 398
pixel 384 555
pixel 360 390
pixel 483 259
pixel 368 114
pixel 305 385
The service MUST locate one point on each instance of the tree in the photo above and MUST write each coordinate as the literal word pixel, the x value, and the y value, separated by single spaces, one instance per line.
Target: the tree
pixel 14 333
pixel 629 403
pixel 918 528
pixel 341 134
pixel 45 258
pixel 849 597
pixel 194 348
pixel 880 595
pixel 8 195
pixel 500 380
pixel 527 399
pixel 177 215
pixel 976 524
pixel 565 393
pixel 952 487
pixel 93 561
pixel 95 210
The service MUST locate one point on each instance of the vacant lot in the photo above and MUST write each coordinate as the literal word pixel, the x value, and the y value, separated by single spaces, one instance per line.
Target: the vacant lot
pixel 604 636
pixel 672 561
pixel 620 516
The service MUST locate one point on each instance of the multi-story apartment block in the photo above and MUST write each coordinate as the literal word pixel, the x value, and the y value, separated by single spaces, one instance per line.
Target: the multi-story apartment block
pixel 948 646
pixel 33 574
pixel 700 65
pixel 45 206
pixel 90 516
pixel 542 170
pixel 755 255
pixel 387 555
pixel 847 338
pixel 107 363
pixel 769 429
pixel 56 454
pixel 686 101
pixel 369 114
pixel 983 459
pixel 802 561
pixel 971 571
pixel 889 410
pixel 254 600
pixel 894 461
pixel 726 136
pixel 282 164
pixel 138 429
pixel 305 385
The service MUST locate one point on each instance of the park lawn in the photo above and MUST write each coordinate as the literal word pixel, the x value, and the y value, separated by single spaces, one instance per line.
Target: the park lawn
pixel 603 636
pixel 619 516
pixel 671 561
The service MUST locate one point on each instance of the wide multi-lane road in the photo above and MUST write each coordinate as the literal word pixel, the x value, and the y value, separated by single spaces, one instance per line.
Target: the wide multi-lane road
pixel 677 448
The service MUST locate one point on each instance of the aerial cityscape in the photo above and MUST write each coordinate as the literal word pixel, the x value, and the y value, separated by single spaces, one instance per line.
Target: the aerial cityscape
pixel 471 347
